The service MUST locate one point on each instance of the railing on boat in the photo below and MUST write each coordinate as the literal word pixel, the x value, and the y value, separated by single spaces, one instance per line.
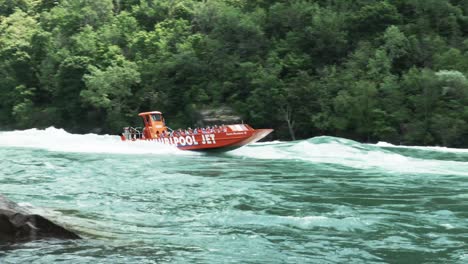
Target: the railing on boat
pixel 132 133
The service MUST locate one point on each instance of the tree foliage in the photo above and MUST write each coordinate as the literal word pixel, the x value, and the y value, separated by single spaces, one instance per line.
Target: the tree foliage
pixel 388 70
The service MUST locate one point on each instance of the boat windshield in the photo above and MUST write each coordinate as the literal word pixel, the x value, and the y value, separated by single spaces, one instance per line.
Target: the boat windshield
pixel 156 117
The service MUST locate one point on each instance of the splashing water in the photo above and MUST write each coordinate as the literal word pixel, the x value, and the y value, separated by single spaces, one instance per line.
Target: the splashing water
pixel 321 200
pixel 59 140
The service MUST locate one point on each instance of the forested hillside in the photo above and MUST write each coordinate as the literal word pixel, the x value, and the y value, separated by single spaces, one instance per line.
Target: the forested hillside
pixel 391 70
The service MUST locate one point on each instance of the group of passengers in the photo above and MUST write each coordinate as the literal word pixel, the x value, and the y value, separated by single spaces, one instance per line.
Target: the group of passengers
pixel 189 132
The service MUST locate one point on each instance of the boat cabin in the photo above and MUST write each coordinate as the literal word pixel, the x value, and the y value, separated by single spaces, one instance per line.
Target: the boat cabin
pixel 154 124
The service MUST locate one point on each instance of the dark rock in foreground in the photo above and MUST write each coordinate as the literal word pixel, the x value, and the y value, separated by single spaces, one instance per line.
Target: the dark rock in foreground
pixel 18 225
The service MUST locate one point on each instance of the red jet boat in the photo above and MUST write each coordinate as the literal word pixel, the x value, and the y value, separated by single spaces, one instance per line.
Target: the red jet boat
pixel 215 138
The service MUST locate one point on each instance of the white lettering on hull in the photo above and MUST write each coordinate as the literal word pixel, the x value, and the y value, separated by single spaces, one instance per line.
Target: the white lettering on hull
pixel 182 141
pixel 207 139
pixel 194 141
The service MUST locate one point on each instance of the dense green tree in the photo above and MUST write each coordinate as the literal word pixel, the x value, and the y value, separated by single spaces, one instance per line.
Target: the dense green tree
pixel 8 7
pixel 17 78
pixel 109 89
pixel 388 70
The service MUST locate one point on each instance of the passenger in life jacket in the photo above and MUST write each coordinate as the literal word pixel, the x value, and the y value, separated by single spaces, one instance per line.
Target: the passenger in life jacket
pixel 126 133
pixel 133 134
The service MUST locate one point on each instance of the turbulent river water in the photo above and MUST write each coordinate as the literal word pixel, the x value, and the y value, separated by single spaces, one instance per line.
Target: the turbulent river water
pixel 321 200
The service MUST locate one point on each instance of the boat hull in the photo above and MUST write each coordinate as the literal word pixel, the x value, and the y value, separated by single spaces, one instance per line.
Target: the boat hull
pixel 214 142
pixel 226 141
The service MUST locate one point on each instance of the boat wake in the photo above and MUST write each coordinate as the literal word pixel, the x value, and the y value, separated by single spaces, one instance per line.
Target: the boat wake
pixel 320 151
pixel 351 154
pixel 54 139
pixel 440 149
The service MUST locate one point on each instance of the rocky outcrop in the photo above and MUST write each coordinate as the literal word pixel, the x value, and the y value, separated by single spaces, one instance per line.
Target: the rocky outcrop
pixel 18 225
pixel 218 116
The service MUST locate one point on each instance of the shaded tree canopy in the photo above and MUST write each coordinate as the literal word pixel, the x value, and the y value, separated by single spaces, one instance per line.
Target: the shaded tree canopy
pixel 386 70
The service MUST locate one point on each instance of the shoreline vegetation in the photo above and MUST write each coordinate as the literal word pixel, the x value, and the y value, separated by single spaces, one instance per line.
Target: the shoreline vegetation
pixel 389 70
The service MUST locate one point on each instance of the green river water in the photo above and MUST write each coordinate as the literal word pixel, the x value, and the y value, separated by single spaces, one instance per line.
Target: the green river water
pixel 321 200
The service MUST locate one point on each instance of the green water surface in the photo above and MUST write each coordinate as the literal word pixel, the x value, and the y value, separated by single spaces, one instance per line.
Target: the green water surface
pixel 323 200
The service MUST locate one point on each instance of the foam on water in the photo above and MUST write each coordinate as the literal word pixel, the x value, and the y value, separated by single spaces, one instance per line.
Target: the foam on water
pixel 319 150
pixel 441 149
pixel 352 154
pixel 305 222
pixel 54 139
pixel 319 200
